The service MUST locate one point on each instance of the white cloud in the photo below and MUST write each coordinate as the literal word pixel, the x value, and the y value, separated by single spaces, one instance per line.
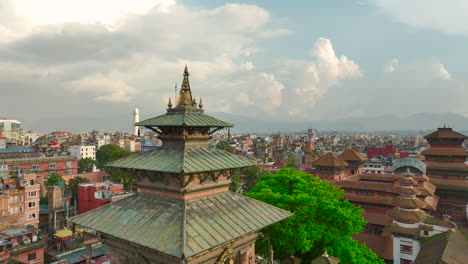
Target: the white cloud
pixel 275 33
pixel 85 11
pixel 448 17
pixel 105 88
pixel 391 65
pixel 315 78
pixel 443 73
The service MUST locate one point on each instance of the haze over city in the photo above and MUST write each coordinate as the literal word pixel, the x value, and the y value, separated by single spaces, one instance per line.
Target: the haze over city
pixel 82 65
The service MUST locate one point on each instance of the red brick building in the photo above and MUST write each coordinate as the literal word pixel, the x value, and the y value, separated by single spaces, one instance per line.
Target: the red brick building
pixel 43 166
pixel 94 195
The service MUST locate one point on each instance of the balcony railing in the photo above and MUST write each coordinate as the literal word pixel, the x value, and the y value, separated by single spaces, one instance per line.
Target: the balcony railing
pixel 27 247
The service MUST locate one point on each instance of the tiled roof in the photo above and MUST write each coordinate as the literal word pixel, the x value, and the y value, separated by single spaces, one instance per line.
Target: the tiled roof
pixel 325 260
pixel 382 246
pixel 377 218
pixel 330 160
pixel 188 119
pixel 369 199
pixel 444 152
pixel 181 227
pixel 177 159
pixel 445 133
pixel 448 247
pixel 395 228
pixel 412 216
pixel 447 166
pixel 352 155
pixel 409 203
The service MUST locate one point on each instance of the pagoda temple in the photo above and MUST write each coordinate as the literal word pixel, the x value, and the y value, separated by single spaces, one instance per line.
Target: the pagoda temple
pixel 447 169
pixel 183 211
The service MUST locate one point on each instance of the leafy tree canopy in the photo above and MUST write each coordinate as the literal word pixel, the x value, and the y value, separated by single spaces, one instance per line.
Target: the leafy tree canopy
pixel 224 145
pixel 54 180
pixel 121 176
pixel 111 152
pixel 321 220
pixel 292 162
pixel 73 186
pixel 86 165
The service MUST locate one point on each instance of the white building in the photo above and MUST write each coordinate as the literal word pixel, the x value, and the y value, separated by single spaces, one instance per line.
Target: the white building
pixel 10 130
pixel 83 151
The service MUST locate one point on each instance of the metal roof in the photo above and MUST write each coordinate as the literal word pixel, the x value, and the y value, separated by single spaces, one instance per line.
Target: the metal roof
pixel 189 119
pixel 181 227
pixel 180 159
pixel 410 162
pixel 18 231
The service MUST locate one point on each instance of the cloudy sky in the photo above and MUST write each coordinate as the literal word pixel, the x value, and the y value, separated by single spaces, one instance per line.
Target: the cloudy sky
pixel 85 64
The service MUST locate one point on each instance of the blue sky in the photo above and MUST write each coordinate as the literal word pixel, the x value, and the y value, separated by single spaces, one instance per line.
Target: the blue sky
pixel 279 60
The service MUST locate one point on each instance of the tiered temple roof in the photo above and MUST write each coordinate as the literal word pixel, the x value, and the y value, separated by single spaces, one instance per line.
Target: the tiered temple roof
pixel 184 208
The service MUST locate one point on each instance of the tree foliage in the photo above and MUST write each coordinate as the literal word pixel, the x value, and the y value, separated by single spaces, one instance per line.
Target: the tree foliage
pixel 321 220
pixel 292 162
pixel 250 176
pixel 111 152
pixel 73 186
pixel 121 176
pixel 224 145
pixel 86 165
pixel 54 180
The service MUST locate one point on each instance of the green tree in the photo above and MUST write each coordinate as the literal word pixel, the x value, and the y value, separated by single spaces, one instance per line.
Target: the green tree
pixel 224 145
pixel 121 176
pixel 111 152
pixel 250 176
pixel 321 220
pixel 236 185
pixel 73 186
pixel 54 180
pixel 292 162
pixel 86 165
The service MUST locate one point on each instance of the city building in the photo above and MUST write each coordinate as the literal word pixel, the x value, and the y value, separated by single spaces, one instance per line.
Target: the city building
pixel 184 211
pixel 11 130
pixel 21 245
pixel 97 194
pixel 136 119
pixel 83 151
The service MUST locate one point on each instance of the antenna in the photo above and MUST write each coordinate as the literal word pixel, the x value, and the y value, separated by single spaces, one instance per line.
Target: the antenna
pixel 175 93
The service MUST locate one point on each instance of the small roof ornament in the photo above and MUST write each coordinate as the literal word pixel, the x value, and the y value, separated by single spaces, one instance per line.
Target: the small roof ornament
pixel 200 105
pixel 169 103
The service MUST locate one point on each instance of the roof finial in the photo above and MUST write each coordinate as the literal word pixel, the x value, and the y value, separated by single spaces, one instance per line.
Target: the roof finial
pixel 194 102
pixel 200 105
pixel 169 104
pixel 185 95
pixel 325 254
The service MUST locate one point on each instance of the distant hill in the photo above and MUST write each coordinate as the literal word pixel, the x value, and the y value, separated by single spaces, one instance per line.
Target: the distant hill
pixel 414 122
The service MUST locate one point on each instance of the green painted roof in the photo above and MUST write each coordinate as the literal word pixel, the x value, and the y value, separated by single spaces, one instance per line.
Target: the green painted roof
pixel 181 227
pixel 190 119
pixel 179 159
pixel 410 162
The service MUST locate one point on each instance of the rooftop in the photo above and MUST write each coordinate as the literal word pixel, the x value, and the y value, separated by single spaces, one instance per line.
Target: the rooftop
pixel 181 228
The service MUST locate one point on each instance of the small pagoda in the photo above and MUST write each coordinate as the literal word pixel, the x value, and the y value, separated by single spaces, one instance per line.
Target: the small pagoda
pixel 183 211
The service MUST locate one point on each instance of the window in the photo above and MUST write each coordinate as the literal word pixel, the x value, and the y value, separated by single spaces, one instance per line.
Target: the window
pixel 12 210
pixel 12 199
pixel 68 172
pixel 16 210
pixel 35 167
pixel 31 182
pixel 31 216
pixel 32 194
pixel 32 256
pixel 405 261
pixel 52 165
pixel 426 233
pixel 69 164
pixel 32 204
pixel 407 249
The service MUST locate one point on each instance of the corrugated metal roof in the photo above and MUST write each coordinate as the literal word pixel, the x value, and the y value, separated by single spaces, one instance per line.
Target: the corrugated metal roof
pixel 179 159
pixel 197 119
pixel 180 227
pixel 410 162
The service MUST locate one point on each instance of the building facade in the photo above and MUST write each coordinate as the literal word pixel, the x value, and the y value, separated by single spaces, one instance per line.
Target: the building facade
pixel 83 151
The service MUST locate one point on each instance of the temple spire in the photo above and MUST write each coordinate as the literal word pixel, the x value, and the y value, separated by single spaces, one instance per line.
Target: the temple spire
pixel 185 95
pixel 169 103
